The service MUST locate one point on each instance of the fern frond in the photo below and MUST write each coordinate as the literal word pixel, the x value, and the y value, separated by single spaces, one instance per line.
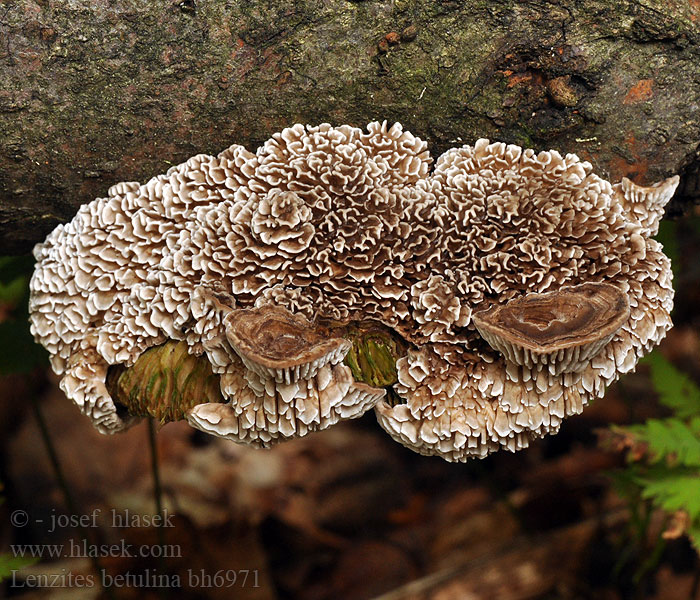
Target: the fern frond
pixel 672 489
pixel 670 440
pixel 676 390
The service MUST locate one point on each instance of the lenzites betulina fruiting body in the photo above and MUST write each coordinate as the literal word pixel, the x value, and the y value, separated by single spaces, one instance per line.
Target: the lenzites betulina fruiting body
pixel 474 306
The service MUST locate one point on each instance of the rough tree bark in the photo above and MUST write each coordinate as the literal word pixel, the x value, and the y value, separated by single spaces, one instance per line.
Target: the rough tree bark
pixel 98 91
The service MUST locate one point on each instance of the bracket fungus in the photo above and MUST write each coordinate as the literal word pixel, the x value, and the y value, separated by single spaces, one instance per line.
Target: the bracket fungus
pixel 560 331
pixel 277 344
pixel 265 295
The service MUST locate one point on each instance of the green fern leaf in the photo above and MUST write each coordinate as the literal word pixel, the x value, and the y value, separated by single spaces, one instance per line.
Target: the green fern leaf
pixel 671 440
pixel 694 535
pixel 673 489
pixel 9 563
pixel 676 390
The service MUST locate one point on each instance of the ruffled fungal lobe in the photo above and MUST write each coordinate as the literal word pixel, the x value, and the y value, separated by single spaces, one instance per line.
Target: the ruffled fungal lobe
pixel 645 205
pixel 524 227
pixel 288 382
pixel 104 290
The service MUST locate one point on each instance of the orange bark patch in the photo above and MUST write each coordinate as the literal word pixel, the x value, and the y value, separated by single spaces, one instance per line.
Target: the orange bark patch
pixel 519 78
pixel 392 38
pixel 634 165
pixel 640 92
pixel 694 9
pixel 635 170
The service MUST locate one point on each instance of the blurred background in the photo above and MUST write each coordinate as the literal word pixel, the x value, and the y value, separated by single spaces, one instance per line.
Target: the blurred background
pixel 609 508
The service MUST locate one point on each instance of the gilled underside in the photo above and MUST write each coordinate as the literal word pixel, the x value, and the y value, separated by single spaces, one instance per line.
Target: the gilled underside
pixel 473 307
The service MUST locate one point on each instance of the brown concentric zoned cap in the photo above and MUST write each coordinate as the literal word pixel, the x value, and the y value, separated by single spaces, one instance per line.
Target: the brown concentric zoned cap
pixel 275 343
pixel 562 330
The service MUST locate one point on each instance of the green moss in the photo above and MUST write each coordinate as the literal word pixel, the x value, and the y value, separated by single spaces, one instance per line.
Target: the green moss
pixel 164 383
pixel 372 358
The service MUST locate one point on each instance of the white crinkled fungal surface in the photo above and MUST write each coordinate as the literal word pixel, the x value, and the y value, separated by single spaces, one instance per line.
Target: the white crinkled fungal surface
pixel 496 269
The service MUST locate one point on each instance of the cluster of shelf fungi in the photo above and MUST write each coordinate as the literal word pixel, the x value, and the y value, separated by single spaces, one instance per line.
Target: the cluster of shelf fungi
pixel 264 296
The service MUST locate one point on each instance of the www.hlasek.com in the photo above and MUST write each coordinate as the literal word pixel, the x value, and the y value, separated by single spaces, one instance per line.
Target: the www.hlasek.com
pixel 150 578
pixel 82 549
